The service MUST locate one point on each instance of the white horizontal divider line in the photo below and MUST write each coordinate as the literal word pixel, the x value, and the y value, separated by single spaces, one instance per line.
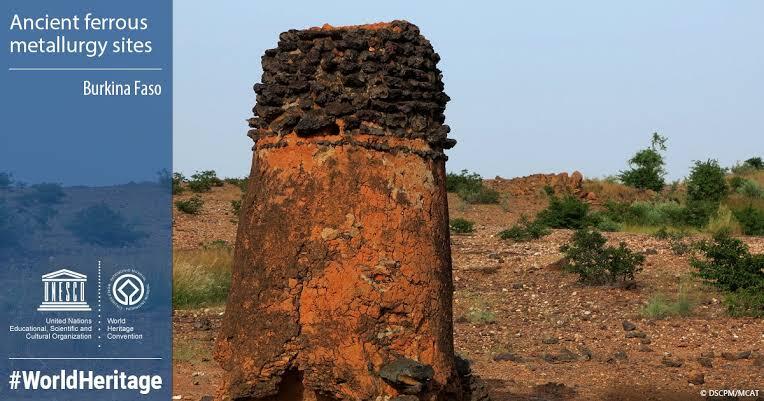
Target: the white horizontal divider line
pixel 85 69
pixel 85 358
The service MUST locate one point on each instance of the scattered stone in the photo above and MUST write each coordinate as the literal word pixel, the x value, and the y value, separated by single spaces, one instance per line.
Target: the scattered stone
pixel 495 256
pixel 706 362
pixel 565 355
pixel 645 348
pixel 550 340
pixel 207 398
pixel 696 378
pixel 646 340
pixel 734 356
pixel 556 391
pixel 177 397
pixel 517 286
pixel 621 355
pixel 203 324
pixel 636 334
pixel 586 353
pixel 629 326
pixel 508 356
pixel 670 362
pixel 709 354
pixel 758 361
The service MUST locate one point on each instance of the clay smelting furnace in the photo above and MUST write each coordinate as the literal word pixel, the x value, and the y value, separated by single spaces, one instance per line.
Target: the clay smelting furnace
pixel 342 273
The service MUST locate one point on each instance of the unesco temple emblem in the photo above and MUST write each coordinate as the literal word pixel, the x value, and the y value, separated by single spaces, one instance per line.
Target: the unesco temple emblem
pixel 64 292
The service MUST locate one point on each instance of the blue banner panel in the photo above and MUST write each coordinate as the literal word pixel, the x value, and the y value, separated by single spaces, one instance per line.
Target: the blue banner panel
pixel 85 200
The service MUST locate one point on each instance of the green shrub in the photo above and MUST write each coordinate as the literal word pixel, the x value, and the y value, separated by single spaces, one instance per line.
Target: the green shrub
pixel 177 183
pixel 751 189
pixel 597 264
pixel 461 226
pixel 660 307
pixel 236 206
pixel 101 225
pixel 239 182
pixel 525 230
pixel 45 194
pixel 755 162
pixel 728 265
pixel 746 302
pixel 454 181
pixel 736 181
pixel 751 220
pixel 565 212
pixel 647 170
pixel 192 205
pixel 608 225
pixel 204 181
pixel 470 187
pixel 706 182
pixel 699 212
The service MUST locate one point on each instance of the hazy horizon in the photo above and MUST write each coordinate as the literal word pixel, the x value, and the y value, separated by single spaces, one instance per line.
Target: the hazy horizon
pixel 535 88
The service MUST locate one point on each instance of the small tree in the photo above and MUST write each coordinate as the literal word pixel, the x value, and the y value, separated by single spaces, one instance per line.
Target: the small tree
pixel 706 182
pixel 755 162
pixel 646 167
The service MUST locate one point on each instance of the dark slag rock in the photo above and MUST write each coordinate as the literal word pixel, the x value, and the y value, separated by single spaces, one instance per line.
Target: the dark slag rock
pixel 383 80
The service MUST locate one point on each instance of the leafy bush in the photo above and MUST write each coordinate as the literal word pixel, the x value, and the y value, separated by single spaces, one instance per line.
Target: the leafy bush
pixel 755 162
pixel 698 212
pixel 647 170
pixel 651 213
pixel 236 206
pixel 746 302
pixel 706 182
pixel 597 264
pixel 736 181
pixel 177 183
pixel 751 220
pixel 470 187
pixel 751 189
pixel 45 194
pixel 192 205
pixel 100 225
pixel 239 182
pixel 525 230
pixel 565 212
pixel 461 226
pixel 728 265
pixel 204 181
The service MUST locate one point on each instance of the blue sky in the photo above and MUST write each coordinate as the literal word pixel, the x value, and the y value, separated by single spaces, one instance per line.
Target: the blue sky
pixel 535 86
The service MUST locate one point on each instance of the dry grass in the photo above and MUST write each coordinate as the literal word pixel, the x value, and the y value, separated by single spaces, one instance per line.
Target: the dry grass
pixel 614 191
pixel 201 277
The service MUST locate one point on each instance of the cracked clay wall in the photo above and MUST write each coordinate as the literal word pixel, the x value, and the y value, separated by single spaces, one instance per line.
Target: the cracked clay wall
pixel 342 274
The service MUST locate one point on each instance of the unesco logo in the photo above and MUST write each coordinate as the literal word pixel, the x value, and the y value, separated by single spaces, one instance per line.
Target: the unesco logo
pixel 128 289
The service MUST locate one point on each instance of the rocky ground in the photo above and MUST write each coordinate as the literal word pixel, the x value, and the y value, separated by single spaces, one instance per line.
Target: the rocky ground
pixel 530 329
